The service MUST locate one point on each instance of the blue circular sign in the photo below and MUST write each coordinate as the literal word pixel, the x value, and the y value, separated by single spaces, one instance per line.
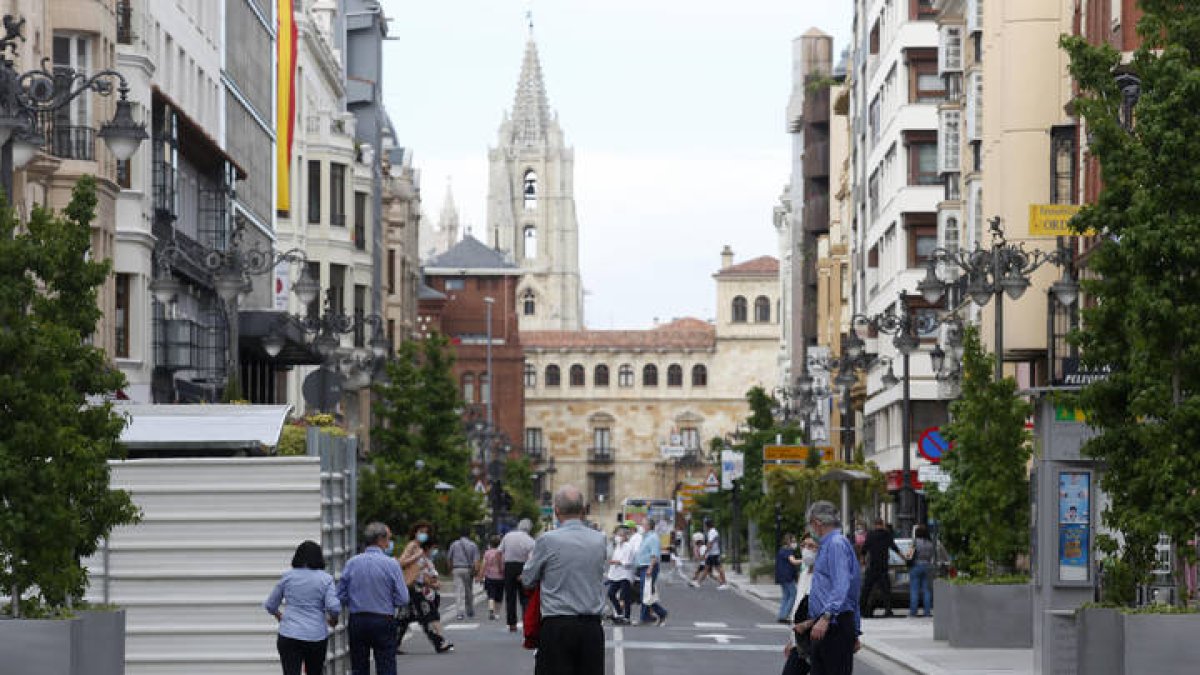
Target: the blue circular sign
pixel 932 445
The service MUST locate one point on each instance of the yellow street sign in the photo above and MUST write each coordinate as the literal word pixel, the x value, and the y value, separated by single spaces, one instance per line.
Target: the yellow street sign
pixel 794 453
pixel 1050 220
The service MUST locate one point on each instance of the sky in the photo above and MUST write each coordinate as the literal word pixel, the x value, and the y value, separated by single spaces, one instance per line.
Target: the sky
pixel 675 109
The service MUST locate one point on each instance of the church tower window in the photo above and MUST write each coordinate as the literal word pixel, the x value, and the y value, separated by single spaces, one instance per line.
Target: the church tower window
pixel 739 309
pixel 529 303
pixel 762 309
pixel 530 249
pixel 530 190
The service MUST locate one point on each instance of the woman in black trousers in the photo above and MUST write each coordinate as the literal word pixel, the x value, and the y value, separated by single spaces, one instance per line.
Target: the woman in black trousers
pixel 305 604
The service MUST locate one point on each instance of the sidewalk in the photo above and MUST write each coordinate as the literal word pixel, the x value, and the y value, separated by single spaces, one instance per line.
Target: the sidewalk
pixel 909 642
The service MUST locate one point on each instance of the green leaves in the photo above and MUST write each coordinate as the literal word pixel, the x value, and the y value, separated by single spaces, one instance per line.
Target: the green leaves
pixel 55 501
pixel 983 515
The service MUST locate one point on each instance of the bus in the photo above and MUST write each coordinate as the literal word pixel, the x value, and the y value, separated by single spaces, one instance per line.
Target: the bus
pixel 661 511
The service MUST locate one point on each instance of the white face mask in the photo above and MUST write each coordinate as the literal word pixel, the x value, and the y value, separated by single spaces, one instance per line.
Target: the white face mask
pixel 641 530
pixel 809 557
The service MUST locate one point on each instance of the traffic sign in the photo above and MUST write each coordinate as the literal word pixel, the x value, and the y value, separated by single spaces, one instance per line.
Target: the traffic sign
pixel 933 473
pixel 932 445
pixel 712 483
pixel 797 453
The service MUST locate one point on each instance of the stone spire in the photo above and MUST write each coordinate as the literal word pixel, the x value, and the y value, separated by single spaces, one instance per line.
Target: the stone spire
pixel 448 221
pixel 531 110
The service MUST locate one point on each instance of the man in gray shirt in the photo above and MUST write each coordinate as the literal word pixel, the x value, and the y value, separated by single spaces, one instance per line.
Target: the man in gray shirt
pixel 568 562
pixel 464 561
pixel 516 547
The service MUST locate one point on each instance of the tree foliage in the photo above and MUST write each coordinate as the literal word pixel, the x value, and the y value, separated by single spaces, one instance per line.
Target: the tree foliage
pixel 419 441
pixel 1145 322
pixel 55 439
pixel 983 515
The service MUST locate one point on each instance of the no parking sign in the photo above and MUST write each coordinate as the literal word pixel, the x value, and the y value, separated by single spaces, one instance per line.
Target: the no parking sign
pixel 932 445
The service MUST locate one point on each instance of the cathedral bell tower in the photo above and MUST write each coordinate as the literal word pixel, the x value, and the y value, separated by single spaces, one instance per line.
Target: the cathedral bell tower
pixel 531 206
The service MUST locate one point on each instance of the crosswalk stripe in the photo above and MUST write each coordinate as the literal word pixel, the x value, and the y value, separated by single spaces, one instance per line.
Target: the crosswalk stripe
pixel 461 626
pixel 711 624
pixel 769 626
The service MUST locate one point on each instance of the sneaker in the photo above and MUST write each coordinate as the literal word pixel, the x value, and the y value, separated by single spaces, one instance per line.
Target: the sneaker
pixel 512 629
pixel 448 647
pixel 693 584
pixel 460 617
pixel 491 616
pixel 723 587
pixel 662 620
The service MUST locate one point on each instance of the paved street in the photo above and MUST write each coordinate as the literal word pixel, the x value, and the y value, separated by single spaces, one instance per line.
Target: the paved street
pixel 708 632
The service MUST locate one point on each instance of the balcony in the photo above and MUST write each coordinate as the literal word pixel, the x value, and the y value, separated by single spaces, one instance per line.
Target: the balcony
pixel 816 102
pixel 601 455
pixel 535 452
pixel 816 214
pixel 70 142
pixel 816 160
pixel 164 191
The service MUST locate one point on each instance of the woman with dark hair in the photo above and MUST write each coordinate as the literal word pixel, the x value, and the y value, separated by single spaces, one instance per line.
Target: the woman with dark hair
pixel 423 596
pixel 311 607
pixel 492 574
pixel 920 581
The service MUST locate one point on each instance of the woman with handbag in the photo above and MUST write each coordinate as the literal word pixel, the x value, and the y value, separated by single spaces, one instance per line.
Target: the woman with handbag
pixel 798 650
pixel 422 579
pixel 920 572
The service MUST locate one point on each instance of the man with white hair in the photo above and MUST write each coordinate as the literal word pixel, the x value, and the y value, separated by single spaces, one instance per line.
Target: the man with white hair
pixel 515 547
pixel 833 599
pixel 568 562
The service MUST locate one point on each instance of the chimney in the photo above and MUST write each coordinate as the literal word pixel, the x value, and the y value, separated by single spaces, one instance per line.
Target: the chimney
pixel 726 257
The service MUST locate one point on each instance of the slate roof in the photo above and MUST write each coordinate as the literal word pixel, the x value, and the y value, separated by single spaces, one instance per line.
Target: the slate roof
pixel 686 333
pixel 471 254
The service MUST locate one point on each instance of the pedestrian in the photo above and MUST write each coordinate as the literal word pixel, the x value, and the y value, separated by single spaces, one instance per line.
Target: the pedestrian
pixel 492 574
pixel 516 547
pixel 920 582
pixel 637 534
pixel 649 559
pixel 311 608
pixel 424 600
pixel 371 590
pixel 879 542
pixel 834 622
pixel 786 564
pixel 712 557
pixel 464 566
pixel 799 650
pixel 619 578
pixel 568 563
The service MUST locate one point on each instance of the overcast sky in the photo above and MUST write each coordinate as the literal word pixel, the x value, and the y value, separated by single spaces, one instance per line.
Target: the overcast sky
pixel 675 109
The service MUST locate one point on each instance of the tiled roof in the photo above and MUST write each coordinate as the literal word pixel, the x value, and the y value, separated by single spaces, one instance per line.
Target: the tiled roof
pixel 684 333
pixel 470 254
pixel 761 265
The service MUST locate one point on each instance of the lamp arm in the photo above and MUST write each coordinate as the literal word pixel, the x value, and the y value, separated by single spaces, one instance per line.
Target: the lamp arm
pixel 50 88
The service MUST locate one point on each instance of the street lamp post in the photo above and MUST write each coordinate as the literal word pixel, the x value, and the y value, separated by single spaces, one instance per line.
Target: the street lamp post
pixel 488 302
pixel 1003 269
pixel 231 270
pixel 25 97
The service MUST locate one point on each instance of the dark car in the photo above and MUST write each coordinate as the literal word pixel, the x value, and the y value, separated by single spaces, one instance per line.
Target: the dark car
pixel 898 570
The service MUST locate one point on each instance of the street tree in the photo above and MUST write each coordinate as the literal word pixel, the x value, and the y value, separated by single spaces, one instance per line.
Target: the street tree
pixel 1143 322
pixel 418 442
pixel 982 513
pixel 56 432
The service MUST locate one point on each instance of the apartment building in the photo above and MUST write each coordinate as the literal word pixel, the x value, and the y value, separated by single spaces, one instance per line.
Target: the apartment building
pixel 895 90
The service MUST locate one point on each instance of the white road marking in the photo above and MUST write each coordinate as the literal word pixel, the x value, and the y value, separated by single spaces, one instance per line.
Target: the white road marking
pixel 721 638
pixel 770 626
pixel 711 624
pixel 461 626
pixel 618 651
pixel 691 646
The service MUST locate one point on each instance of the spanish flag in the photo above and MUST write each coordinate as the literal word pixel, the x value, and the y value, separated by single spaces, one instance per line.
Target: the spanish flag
pixel 285 105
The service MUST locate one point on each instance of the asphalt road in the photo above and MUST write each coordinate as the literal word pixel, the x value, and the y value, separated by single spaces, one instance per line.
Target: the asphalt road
pixel 708 632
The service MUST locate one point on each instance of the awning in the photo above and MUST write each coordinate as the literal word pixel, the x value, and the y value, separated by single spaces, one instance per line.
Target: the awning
pixel 255 324
pixel 219 428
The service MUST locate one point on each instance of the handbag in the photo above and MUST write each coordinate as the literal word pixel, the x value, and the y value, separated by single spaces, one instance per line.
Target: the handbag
pixel 649 592
pixel 533 619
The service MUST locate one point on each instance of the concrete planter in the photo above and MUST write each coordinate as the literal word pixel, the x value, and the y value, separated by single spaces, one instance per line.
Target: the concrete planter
pixel 93 643
pixel 944 616
pixel 1111 642
pixel 988 616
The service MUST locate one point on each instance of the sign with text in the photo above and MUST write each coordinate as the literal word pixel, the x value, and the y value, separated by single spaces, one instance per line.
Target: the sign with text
pixel 794 453
pixel 732 468
pixel 1051 220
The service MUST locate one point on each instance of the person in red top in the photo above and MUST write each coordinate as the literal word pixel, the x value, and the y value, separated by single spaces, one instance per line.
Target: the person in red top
pixel 491 573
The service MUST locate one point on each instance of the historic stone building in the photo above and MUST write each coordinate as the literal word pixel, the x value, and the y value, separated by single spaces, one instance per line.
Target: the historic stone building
pixel 602 407
pixel 531 205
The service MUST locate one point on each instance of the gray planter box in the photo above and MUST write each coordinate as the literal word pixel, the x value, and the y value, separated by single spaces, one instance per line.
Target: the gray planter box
pixel 988 616
pixel 1114 643
pixel 944 616
pixel 91 644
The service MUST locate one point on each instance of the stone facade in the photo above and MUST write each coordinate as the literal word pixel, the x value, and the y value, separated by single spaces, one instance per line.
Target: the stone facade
pixel 620 396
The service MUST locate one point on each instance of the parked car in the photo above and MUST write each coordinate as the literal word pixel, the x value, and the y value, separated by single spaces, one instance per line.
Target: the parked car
pixel 898 570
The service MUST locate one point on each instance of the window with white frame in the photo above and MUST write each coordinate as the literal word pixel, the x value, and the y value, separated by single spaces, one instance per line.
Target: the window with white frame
pixel 975 106
pixel 974 16
pixel 950 49
pixel 950 141
pixel 689 438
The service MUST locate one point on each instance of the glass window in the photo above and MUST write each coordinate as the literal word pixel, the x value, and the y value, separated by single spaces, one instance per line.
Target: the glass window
pixel 625 376
pixel 530 249
pixel 601 487
pixel 468 387
pixel 337 194
pixel 530 376
pixel 650 376
pixel 600 379
pixel 923 166
pixel 553 376
pixel 121 323
pixel 455 284
pixel 314 191
pixel 485 389
pixel 533 439
pixel 602 438
pixel 739 309
pixel 699 376
pixel 529 303
pixel 674 375
pixel 577 376
pixel 762 309
pixel 690 438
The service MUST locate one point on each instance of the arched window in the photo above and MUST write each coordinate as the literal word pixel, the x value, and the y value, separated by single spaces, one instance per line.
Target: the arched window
pixel 699 376
pixel 485 389
pixel 529 303
pixel 674 375
pixel 739 310
pixel 553 376
pixel 530 376
pixel 577 375
pixel 530 189
pixel 625 376
pixel 600 379
pixel 762 309
pixel 468 387
pixel 530 249
pixel 650 376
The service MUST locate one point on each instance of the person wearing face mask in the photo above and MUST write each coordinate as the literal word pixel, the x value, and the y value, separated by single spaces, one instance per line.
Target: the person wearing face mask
pixel 371 589
pixel 786 564
pixel 799 648
pixel 422 579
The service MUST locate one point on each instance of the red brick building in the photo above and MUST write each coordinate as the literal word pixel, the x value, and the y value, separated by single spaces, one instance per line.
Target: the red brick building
pixel 454 301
